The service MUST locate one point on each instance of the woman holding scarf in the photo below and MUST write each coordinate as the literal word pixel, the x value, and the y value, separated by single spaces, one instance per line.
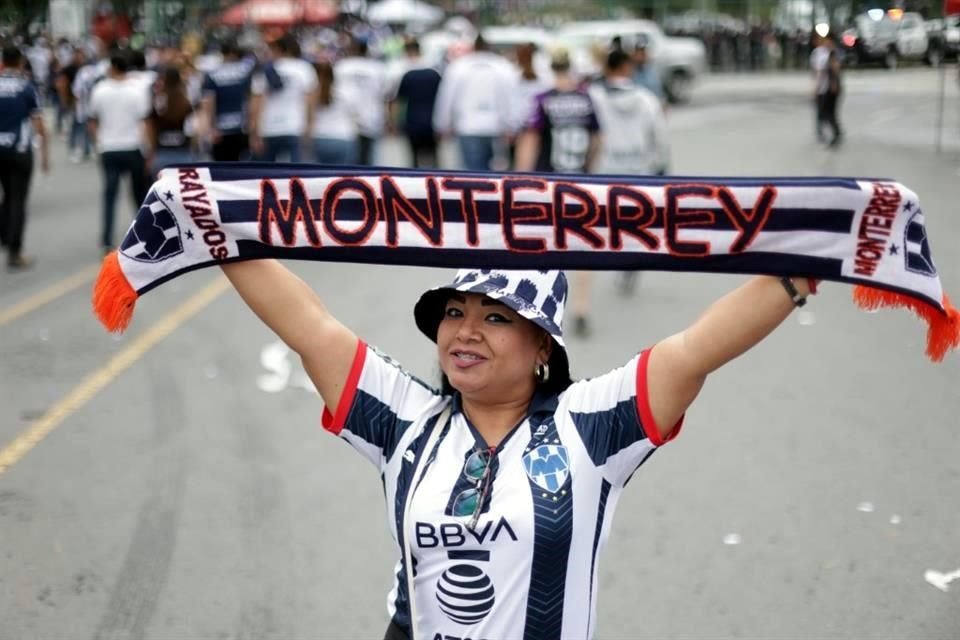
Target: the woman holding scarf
pixel 501 484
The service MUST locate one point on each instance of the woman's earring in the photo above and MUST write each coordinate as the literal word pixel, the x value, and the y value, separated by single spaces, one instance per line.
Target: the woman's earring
pixel 542 372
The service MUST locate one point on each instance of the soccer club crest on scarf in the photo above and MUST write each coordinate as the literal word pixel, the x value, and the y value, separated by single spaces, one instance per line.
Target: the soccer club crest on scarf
pixel 154 235
pixel 916 246
pixel 548 466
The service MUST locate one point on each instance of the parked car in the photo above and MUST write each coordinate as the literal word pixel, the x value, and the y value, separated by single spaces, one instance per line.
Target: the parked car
pixel 888 40
pixel 944 39
pixel 503 38
pixel 678 60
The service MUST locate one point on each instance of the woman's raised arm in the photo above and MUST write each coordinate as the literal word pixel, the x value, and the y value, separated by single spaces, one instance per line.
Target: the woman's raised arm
pixel 731 326
pixel 287 305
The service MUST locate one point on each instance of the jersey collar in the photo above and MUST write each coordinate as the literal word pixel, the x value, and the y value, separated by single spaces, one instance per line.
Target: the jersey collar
pixel 542 403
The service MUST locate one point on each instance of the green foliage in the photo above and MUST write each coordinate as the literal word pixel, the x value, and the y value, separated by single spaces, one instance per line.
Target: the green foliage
pixel 19 14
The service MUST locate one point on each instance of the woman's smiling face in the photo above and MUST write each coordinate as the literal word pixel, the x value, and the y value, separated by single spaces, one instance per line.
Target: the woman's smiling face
pixel 487 350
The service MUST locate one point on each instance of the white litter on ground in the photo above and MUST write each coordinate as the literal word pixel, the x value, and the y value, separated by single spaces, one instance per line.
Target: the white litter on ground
pixel 941 580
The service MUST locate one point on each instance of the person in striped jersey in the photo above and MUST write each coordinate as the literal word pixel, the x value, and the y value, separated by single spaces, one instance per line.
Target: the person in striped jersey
pixel 502 483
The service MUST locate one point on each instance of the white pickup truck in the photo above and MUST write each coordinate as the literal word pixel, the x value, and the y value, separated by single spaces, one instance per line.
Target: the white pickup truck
pixel 888 39
pixel 678 60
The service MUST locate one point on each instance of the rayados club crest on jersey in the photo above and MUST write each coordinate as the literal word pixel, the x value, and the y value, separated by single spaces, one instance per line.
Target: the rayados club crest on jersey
pixel 548 466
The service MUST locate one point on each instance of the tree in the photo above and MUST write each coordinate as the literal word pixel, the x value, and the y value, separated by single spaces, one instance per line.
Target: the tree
pixel 20 14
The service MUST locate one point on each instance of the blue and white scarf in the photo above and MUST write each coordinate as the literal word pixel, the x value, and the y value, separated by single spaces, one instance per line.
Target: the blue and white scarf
pixel 862 231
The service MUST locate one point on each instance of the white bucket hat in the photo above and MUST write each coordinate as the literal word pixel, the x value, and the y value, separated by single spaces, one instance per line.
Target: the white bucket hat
pixel 538 296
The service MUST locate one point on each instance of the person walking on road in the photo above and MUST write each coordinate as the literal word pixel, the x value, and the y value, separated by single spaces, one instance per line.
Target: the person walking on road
pixel 562 135
pixel 831 98
pixel 417 92
pixel 819 65
pixel 636 139
pixel 224 105
pixel 167 140
pixel 20 118
pixel 365 78
pixel 119 107
pixel 528 85
pixel 632 120
pixel 281 110
pixel 334 120
pixel 474 102
pixel 502 483
pixel 644 72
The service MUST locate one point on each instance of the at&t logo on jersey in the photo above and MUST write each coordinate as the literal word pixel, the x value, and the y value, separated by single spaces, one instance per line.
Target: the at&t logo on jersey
pixel 548 466
pixel 465 593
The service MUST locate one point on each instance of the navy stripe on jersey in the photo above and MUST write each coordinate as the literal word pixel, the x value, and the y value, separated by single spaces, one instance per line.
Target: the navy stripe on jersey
pixel 375 422
pixel 461 576
pixel 18 102
pixel 598 530
pixel 754 262
pixel 281 171
pixel 552 535
pixel 601 438
pixel 230 86
pixel 488 212
pixel 402 604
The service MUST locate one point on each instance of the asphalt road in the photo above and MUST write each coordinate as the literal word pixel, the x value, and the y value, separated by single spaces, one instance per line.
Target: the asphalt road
pixel 174 483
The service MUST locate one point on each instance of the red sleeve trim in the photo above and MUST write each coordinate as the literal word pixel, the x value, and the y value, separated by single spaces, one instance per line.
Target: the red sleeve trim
pixel 650 425
pixel 333 422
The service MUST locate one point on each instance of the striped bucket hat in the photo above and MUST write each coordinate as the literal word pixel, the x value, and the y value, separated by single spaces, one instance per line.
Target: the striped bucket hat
pixel 538 296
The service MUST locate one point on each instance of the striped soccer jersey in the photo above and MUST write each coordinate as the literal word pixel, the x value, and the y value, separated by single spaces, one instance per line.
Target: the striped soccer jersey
pixel 18 103
pixel 528 569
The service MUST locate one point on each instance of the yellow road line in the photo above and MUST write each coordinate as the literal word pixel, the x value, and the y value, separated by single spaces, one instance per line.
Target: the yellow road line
pixel 96 381
pixel 52 292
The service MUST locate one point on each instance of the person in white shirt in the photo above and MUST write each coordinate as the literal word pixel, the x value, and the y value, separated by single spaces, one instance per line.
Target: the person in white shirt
pixel 631 118
pixel 635 142
pixel 334 120
pixel 474 103
pixel 138 72
pixel 281 109
pixel 118 110
pixel 529 84
pixel 365 78
pixel 819 60
pixel 87 77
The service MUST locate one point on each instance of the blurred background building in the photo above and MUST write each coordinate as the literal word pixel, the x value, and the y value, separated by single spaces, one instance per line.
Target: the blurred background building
pixel 158 18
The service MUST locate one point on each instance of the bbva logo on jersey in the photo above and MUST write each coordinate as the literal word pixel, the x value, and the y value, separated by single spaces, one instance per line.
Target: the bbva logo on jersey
pixel 548 466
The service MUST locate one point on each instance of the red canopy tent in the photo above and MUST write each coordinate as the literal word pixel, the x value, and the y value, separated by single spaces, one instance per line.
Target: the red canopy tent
pixel 951 7
pixel 280 13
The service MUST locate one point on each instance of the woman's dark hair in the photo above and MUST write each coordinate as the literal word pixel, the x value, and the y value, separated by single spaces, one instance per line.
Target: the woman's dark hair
pixel 616 59
pixel 175 105
pixel 137 59
pixel 525 60
pixel 325 82
pixel 11 56
pixel 287 45
pixel 119 61
pixel 230 49
pixel 557 383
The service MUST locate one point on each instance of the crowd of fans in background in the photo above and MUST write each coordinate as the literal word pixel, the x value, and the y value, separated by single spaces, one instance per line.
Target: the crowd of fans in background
pixel 327 98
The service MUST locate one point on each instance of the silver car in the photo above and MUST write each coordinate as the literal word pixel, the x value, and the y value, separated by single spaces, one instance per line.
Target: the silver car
pixel 678 61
